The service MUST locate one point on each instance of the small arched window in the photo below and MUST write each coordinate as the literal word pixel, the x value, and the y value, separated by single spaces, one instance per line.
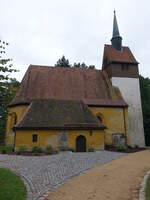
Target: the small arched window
pixel 99 119
pixel 15 119
pixel 34 138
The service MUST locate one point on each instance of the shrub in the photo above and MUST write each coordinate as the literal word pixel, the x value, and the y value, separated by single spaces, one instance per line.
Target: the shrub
pixel 71 149
pixel 129 146
pixel 91 149
pixel 22 148
pixel 9 148
pixel 49 149
pixel 108 147
pixel 36 149
pixel 66 149
pixel 6 149
pixel 121 147
pixel 55 151
pixel 2 149
pixel 63 148
pixel 136 146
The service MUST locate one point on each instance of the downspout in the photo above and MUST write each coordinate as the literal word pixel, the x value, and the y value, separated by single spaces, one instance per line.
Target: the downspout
pixel 125 130
pixel 14 140
pixel 15 122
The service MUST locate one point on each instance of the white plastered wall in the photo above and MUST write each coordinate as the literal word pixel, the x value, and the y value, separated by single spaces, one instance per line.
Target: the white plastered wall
pixel 130 90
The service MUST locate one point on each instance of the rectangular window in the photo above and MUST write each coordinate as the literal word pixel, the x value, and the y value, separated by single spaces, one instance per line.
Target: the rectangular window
pixel 34 138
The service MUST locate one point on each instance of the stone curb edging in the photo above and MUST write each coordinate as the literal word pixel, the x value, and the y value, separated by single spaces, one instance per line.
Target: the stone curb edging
pixel 142 193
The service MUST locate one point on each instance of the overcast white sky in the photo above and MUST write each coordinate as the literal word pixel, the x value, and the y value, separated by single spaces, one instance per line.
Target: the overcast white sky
pixel 41 31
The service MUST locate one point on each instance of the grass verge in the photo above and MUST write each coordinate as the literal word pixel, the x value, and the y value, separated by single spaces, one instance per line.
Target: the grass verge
pixel 11 186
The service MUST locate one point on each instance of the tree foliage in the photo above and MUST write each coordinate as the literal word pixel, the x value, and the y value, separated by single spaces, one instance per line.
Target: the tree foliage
pixel 8 87
pixel 83 66
pixel 5 65
pixel 63 62
pixel 145 97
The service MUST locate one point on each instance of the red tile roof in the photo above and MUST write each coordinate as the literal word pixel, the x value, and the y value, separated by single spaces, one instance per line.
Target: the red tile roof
pixel 119 56
pixel 43 82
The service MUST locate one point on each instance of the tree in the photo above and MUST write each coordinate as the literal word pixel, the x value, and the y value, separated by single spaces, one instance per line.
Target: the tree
pixel 83 66
pixel 79 65
pixel 91 66
pixel 5 65
pixel 145 98
pixel 63 62
pixel 7 87
pixel 6 96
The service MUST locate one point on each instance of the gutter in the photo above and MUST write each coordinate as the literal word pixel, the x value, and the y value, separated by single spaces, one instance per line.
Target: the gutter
pixel 59 128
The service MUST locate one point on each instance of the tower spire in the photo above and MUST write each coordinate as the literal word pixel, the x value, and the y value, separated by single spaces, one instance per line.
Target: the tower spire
pixel 116 40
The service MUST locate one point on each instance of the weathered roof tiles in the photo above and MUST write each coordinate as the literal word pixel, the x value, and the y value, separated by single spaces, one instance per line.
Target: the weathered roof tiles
pixel 41 82
pixel 125 55
pixel 58 114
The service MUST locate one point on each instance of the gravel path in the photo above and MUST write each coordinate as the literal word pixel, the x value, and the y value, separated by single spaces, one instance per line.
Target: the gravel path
pixel 119 180
pixel 45 173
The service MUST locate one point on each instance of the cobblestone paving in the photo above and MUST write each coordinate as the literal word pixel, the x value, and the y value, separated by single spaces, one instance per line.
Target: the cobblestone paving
pixel 44 173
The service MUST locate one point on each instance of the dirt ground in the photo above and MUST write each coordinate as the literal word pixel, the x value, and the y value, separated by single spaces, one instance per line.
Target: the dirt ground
pixel 118 180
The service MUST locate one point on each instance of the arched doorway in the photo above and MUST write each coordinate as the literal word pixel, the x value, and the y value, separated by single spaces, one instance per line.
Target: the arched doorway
pixel 81 144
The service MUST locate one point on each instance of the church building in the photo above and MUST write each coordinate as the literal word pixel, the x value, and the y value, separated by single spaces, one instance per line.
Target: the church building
pixel 79 109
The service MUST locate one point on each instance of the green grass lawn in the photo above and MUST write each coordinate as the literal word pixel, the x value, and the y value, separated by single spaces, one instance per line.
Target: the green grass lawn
pixel 11 186
pixel 148 189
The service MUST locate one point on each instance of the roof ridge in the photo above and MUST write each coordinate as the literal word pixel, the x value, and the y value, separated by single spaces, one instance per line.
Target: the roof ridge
pixel 67 68
pixel 32 66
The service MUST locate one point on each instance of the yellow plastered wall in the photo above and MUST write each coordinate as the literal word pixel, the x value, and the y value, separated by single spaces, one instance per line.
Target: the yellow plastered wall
pixel 115 119
pixel 94 139
pixel 19 111
pixel 44 138
pixel 126 122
